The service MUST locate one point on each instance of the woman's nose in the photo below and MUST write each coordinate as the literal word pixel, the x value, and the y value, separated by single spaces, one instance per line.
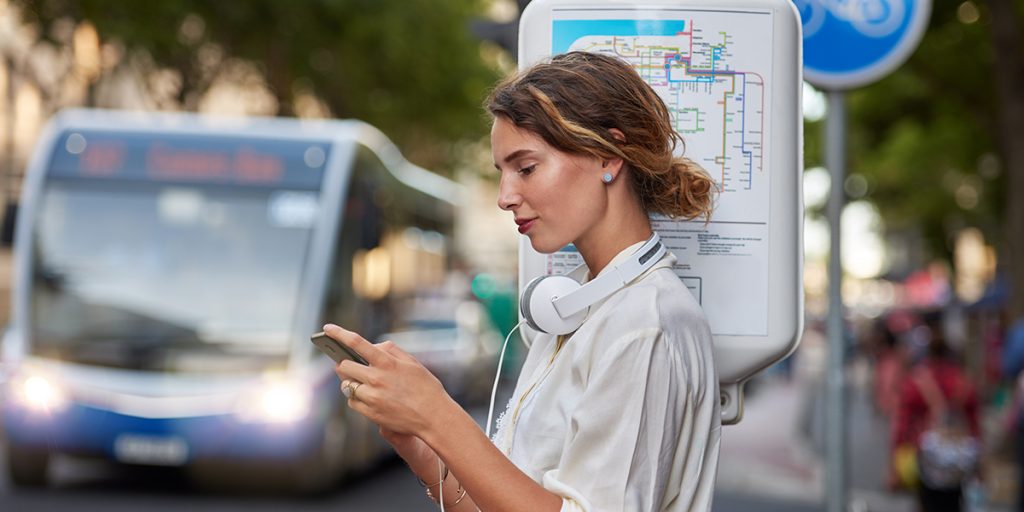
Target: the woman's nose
pixel 509 197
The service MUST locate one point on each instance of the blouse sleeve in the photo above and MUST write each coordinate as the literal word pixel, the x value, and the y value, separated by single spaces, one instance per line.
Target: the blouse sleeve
pixel 624 435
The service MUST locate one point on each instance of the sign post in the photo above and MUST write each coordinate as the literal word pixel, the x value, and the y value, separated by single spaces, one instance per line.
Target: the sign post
pixel 848 44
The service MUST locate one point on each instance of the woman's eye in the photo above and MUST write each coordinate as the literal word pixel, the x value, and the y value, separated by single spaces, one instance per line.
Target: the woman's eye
pixel 526 171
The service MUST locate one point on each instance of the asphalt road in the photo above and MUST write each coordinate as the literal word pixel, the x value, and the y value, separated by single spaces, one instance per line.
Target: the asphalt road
pixel 97 486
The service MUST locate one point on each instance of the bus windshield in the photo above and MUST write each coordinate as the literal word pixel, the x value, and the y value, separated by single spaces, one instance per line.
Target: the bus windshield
pixel 166 276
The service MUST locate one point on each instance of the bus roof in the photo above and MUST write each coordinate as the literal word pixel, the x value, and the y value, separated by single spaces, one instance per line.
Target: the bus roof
pixel 334 132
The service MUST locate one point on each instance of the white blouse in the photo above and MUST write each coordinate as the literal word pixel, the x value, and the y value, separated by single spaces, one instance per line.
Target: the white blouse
pixel 624 416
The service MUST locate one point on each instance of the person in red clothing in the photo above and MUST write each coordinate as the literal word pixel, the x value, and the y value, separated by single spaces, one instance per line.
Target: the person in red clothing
pixel 936 394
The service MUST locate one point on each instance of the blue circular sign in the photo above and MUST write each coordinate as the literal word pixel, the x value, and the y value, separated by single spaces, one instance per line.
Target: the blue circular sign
pixel 849 43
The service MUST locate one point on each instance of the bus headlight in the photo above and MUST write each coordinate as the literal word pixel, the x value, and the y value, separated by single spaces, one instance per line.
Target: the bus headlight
pixel 276 402
pixel 38 393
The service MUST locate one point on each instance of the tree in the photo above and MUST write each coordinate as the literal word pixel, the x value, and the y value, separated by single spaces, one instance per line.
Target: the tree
pixel 409 67
pixel 1009 79
pixel 938 139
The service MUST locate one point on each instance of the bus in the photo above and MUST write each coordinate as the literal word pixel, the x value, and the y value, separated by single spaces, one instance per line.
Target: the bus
pixel 169 270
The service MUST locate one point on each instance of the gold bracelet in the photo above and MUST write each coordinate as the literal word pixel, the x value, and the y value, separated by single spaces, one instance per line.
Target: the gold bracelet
pixel 461 496
pixel 424 484
pixel 461 491
pixel 435 500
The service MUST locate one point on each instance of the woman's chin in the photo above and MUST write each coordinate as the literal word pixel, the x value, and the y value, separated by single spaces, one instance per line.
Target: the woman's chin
pixel 546 246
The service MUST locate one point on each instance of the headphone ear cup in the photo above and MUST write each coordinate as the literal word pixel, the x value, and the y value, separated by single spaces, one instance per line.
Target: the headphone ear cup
pixel 537 305
pixel 524 301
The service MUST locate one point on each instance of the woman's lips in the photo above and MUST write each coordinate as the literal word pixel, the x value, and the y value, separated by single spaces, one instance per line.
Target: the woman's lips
pixel 525 225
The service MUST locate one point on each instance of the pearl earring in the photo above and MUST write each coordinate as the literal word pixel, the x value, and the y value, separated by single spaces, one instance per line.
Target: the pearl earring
pixel 607 178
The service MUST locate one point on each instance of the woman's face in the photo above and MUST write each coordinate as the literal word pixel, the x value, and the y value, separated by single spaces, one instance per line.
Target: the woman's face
pixel 557 198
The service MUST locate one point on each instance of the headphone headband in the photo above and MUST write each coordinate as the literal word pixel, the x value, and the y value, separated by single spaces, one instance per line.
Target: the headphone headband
pixel 615 278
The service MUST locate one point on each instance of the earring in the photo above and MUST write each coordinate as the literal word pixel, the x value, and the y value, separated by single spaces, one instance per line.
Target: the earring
pixel 607 177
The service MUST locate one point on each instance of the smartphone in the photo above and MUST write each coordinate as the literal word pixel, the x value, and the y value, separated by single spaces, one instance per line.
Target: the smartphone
pixel 335 349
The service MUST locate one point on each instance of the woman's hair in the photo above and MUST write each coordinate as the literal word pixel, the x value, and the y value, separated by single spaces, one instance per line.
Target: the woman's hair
pixel 573 102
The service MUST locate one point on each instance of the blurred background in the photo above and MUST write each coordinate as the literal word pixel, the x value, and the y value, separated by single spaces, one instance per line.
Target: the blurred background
pixel 932 236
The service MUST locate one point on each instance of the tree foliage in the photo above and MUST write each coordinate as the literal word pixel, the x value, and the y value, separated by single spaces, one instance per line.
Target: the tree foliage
pixel 409 67
pixel 939 140
pixel 925 137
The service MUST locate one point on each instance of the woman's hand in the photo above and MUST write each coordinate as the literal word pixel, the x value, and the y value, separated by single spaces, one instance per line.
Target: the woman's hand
pixel 395 391
pixel 402 443
pixel 408 447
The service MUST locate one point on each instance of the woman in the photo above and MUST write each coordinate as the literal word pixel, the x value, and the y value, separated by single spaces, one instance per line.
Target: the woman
pixel 623 413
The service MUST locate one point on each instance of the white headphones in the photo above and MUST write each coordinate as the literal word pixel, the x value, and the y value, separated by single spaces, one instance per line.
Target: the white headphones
pixel 559 304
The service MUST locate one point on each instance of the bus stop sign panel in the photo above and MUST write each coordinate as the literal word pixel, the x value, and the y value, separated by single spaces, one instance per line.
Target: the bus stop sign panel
pixel 730 73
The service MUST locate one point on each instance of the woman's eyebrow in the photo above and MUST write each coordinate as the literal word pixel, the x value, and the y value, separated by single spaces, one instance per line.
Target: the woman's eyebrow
pixel 513 155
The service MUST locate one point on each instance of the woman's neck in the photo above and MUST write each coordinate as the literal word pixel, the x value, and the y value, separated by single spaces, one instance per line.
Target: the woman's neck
pixel 607 239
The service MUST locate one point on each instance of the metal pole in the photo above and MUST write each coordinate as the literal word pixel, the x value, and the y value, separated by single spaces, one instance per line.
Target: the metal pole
pixel 835 399
pixel 9 126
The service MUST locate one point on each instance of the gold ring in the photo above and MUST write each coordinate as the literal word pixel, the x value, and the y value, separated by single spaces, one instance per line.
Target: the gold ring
pixel 353 388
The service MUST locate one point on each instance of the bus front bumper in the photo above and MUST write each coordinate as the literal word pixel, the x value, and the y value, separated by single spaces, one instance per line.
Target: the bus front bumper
pixel 80 429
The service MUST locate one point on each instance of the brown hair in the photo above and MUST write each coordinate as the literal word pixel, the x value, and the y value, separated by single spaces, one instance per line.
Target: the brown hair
pixel 574 100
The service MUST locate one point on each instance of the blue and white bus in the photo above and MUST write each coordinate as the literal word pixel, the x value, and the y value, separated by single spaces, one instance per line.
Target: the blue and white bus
pixel 169 270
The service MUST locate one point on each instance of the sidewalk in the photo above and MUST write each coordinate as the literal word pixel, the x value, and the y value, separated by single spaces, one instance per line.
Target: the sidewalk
pixel 776 451
pixel 763 454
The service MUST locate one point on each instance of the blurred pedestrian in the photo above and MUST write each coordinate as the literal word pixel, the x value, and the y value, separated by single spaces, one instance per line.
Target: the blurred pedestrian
pixel 937 421
pixel 1013 368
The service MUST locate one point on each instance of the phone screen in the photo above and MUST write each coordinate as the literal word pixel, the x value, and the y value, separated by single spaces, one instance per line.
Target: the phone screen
pixel 334 349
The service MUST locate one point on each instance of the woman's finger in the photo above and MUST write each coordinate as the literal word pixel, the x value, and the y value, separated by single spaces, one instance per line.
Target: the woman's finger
pixel 354 341
pixel 361 399
pixel 352 370
pixel 359 406
pixel 391 348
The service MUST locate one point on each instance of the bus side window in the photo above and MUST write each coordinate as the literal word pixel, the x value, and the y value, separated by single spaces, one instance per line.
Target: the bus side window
pixel 349 302
pixel 406 267
pixel 390 254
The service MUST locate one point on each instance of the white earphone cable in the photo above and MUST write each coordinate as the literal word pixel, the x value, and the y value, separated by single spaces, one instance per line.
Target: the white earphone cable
pixel 497 375
pixel 440 488
pixel 490 413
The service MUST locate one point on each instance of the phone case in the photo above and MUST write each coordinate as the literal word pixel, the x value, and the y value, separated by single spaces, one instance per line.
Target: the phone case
pixel 334 349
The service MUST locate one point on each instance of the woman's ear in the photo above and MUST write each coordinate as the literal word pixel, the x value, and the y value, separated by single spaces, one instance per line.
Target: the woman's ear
pixel 613 165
